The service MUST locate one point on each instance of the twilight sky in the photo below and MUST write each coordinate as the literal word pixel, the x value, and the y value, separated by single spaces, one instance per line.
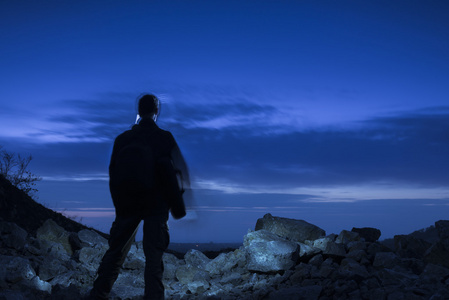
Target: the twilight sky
pixel 336 113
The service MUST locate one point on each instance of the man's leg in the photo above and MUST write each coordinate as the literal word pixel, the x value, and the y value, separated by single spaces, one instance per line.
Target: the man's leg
pixel 123 232
pixel 155 242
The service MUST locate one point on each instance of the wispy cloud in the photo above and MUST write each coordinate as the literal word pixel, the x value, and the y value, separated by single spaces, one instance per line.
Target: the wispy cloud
pixel 67 121
pixel 234 144
pixel 332 193
pixel 78 177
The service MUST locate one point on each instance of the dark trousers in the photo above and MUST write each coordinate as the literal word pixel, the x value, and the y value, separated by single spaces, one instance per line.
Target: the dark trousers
pixel 155 242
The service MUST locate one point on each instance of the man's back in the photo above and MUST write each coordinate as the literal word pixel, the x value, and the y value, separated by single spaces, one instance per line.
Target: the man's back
pixel 161 143
pixel 152 208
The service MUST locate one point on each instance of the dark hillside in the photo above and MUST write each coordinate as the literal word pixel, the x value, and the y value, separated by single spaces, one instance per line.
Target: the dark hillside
pixel 17 207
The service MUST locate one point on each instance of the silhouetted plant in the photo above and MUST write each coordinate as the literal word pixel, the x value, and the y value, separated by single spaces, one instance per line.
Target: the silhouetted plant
pixel 14 167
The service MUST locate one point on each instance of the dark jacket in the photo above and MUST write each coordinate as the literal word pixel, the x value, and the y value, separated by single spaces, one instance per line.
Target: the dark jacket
pixel 165 196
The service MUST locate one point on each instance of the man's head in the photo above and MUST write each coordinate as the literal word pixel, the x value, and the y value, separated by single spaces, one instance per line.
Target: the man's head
pixel 148 106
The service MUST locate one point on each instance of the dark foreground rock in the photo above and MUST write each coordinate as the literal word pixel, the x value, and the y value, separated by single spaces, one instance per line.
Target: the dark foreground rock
pixel 57 264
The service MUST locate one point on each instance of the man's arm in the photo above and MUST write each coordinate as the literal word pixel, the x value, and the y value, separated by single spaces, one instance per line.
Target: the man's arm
pixel 180 164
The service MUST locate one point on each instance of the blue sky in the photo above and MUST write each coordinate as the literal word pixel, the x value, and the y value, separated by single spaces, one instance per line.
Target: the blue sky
pixel 332 112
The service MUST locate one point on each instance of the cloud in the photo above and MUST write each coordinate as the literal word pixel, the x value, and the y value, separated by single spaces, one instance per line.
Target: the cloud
pixel 235 144
pixel 407 148
pixel 78 177
pixel 68 121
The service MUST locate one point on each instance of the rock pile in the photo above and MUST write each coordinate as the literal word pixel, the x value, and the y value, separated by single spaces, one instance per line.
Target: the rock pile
pixel 282 258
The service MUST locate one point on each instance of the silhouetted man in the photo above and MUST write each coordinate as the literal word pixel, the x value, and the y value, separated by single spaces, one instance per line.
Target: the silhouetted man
pixel 152 205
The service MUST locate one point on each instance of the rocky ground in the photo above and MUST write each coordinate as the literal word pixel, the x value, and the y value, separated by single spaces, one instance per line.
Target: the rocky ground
pixel 281 259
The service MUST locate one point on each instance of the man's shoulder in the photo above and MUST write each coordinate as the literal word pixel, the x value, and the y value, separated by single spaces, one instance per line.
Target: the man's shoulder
pixel 124 134
pixel 136 131
pixel 165 133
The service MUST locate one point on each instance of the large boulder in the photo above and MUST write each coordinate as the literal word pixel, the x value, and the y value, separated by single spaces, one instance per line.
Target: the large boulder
pixel 135 259
pixel 91 257
pixel 92 238
pixel 410 247
pixel 329 247
pixel 52 232
pixel 291 229
pixel 267 252
pixel 307 251
pixel 188 274
pixel 128 286
pixel 51 268
pixel 196 258
pixel 346 237
pixel 171 264
pixel 368 233
pixel 385 260
pixel 15 269
pixel 442 227
pixel 438 254
pixel 221 264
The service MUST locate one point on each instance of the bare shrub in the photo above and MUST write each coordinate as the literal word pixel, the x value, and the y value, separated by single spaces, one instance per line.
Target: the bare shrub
pixel 14 167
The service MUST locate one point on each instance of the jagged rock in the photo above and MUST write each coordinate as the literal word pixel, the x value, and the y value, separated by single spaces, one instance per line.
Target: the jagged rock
pixel 374 248
pixel 354 270
pixel 225 262
pixel 134 263
pixel 233 278
pixel 50 231
pixel 92 239
pixel 51 268
pixel 128 286
pixel 389 277
pixel 347 236
pixel 64 279
pixel 171 264
pixel 438 253
pixel 301 272
pixel 408 246
pixel 291 229
pixel 37 284
pixel 186 273
pixel 368 233
pixel 358 255
pixel 196 258
pixel 413 264
pixel 18 271
pixel 306 252
pixel 359 245
pixel 91 257
pixel 12 236
pixel 330 248
pixel 317 260
pixel 198 286
pixel 135 259
pixel 15 269
pixel 439 272
pixel 385 260
pixel 442 227
pixel 267 252
pixel 75 242
pixel 53 249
